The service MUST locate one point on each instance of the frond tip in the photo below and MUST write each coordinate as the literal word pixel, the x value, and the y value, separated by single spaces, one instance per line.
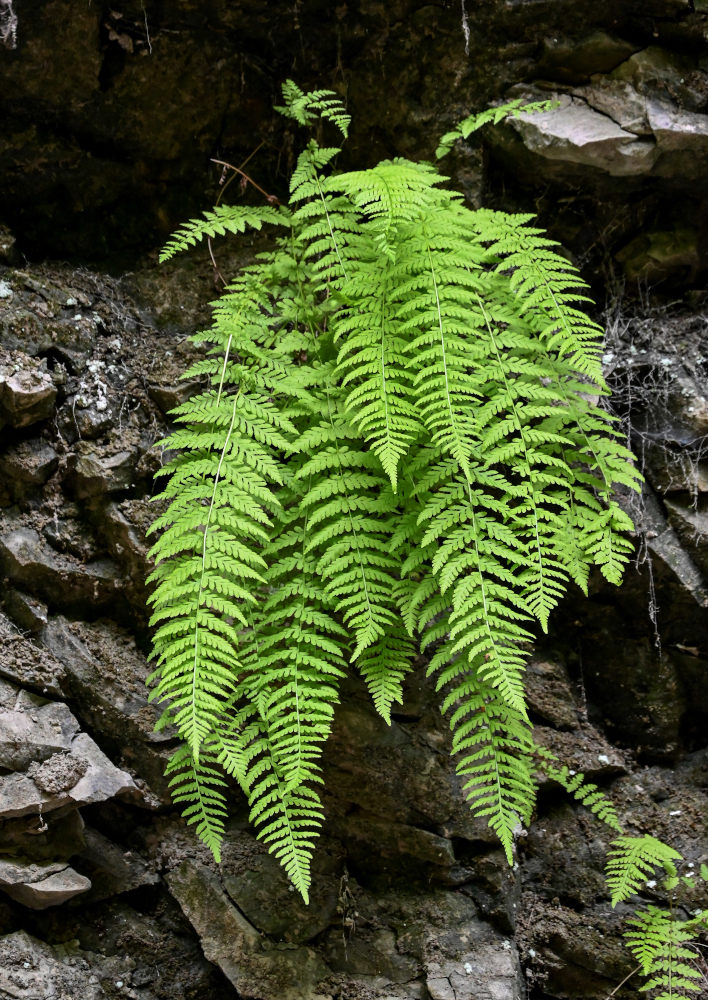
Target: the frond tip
pixel 632 859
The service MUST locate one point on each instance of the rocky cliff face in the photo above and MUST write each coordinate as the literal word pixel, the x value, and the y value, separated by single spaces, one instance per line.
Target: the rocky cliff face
pixel 111 113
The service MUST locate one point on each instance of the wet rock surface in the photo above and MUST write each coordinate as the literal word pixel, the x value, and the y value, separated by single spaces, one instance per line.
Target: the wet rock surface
pixel 105 892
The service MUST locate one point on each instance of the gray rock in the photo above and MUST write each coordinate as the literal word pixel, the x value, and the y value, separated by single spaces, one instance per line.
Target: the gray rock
pixel 168 397
pixel 41 886
pixel 55 837
pixel 397 845
pixel 105 676
pixel 26 611
pixel 573 60
pixel 691 525
pixel 92 473
pixel 576 133
pixel 550 693
pixel 571 954
pixel 27 394
pixel 619 101
pixel 61 580
pixel 112 870
pixel 682 140
pixel 58 773
pixel 25 663
pixel 657 255
pixel 398 773
pixel 35 734
pixel 55 764
pixel 29 463
pixel 33 970
pixel 585 749
pixel 257 970
pixel 257 884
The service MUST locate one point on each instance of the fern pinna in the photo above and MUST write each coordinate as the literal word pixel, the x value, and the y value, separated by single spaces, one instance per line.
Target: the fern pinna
pixel 400 448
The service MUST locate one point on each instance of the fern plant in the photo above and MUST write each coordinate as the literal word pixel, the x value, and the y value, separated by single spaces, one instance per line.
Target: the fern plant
pixel 401 447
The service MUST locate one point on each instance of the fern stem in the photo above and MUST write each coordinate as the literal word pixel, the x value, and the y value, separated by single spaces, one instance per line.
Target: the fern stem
pixel 329 224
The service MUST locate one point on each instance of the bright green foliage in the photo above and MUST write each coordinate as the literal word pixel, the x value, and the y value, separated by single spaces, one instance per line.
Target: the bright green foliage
pixel 583 791
pixel 658 941
pixel 398 449
pixel 494 115
pixel 632 860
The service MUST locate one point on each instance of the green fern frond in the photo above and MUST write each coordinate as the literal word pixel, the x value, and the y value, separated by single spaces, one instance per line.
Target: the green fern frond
pixel 202 789
pixel 305 107
pixel 221 220
pixel 632 859
pixel 473 122
pixel 583 791
pixel 657 940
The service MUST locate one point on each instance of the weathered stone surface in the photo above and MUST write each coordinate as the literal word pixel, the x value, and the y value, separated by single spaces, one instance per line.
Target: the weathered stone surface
pixel 94 473
pixel 550 693
pixel 585 749
pixel 35 733
pixel 681 138
pixel 61 580
pixel 655 256
pixel 282 972
pixel 32 970
pixel 53 764
pixel 691 525
pixel 29 463
pixel 565 58
pixel 112 870
pixel 618 100
pixel 105 677
pixel 27 394
pixel 41 886
pixel 57 836
pixel 575 133
pixel 257 884
pixel 397 772
pixel 24 662
pixel 567 953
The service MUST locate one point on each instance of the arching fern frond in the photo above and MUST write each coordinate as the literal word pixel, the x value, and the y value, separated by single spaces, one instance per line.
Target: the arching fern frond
pixel 632 859
pixel 223 219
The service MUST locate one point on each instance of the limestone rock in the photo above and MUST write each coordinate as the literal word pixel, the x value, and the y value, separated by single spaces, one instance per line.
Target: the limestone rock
pixel 585 749
pixel 278 972
pixel 112 870
pixel 105 677
pixel 41 886
pixel 92 473
pixel 29 463
pixel 691 525
pixel 682 140
pixel 550 694
pixel 22 661
pixel 565 59
pixel 54 764
pixel 32 970
pixel 576 133
pixel 257 884
pixel 27 394
pixel 57 836
pixel 61 580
